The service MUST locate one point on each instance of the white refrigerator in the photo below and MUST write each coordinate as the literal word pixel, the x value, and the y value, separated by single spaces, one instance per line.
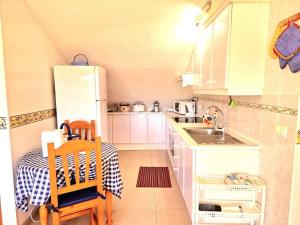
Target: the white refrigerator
pixel 81 94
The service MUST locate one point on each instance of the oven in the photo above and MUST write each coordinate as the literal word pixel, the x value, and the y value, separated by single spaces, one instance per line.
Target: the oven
pixel 173 149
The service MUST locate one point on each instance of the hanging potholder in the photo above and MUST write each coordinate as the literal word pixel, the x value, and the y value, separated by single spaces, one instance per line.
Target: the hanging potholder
pixel 288 43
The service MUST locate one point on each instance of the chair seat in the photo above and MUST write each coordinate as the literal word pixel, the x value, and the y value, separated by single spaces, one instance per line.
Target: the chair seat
pixel 76 197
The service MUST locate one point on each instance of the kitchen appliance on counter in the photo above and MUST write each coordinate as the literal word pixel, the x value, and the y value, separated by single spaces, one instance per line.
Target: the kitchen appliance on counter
pixel 81 94
pixel 156 106
pixel 187 108
pixel 138 107
pixel 125 107
pixel 194 119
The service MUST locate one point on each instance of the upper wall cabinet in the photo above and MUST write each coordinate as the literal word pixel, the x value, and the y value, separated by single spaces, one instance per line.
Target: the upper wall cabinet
pixel 232 50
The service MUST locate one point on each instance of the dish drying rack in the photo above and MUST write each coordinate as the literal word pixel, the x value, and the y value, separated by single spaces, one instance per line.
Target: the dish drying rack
pixel 240 203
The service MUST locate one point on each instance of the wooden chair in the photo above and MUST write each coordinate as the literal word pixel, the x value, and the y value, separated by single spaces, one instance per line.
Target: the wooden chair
pixel 85 129
pixel 83 197
pixel 0 215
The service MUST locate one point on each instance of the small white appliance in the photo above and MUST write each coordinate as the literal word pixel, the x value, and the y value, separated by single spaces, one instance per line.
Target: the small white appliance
pixel 81 94
pixel 56 136
pixel 138 107
pixel 187 108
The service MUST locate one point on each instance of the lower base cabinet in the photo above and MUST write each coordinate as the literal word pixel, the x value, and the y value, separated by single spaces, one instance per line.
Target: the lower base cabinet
pixel 120 123
pixel 190 163
pixel 136 130
pixel 188 169
pixel 184 171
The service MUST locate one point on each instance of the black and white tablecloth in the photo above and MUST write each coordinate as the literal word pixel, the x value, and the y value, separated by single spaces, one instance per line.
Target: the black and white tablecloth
pixel 33 181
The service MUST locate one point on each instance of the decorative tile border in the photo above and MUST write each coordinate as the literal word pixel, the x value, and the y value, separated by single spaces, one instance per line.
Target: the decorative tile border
pixel 270 108
pixel 3 123
pixel 28 118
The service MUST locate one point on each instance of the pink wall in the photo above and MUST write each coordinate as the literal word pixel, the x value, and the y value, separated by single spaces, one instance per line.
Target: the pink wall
pixel 29 55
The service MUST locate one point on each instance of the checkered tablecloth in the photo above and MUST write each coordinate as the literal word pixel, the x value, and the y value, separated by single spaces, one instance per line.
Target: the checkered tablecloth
pixel 33 181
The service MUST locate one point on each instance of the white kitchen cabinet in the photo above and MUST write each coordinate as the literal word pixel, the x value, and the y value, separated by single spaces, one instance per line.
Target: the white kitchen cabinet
pixel 121 128
pixel 205 49
pixel 234 53
pixel 188 186
pixel 220 36
pixel 181 163
pixel 138 128
pixel 184 167
pixel 109 128
pixel 155 128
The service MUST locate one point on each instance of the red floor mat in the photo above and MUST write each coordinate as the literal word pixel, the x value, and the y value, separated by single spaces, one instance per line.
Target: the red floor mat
pixel 154 177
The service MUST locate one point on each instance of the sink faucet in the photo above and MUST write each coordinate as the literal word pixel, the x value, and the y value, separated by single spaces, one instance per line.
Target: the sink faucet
pixel 216 117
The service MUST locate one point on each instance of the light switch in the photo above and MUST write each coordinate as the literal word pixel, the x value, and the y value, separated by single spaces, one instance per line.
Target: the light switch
pixel 281 130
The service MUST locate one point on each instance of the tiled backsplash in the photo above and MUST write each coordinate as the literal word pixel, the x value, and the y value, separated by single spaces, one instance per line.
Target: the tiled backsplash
pixel 28 118
pixel 261 122
pixel 258 106
pixel 3 123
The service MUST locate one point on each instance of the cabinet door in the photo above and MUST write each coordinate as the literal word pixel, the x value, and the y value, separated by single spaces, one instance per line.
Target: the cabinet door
pixel 176 164
pixel 220 49
pixel 138 128
pixel 188 179
pixel 155 128
pixel 181 166
pixel 109 128
pixel 121 129
pixel 205 48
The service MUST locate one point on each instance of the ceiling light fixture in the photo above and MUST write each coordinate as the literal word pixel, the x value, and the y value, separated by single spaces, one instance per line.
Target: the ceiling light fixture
pixel 204 9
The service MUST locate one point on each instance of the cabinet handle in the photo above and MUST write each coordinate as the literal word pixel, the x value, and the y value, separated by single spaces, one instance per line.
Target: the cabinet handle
pixel 175 169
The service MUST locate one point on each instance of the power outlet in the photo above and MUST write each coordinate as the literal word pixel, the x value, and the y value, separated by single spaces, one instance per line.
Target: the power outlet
pixel 281 130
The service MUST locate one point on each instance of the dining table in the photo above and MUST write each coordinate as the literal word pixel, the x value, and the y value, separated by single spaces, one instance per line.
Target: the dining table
pixel 33 180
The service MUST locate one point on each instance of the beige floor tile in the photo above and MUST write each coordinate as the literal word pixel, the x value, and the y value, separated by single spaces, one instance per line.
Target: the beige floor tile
pixel 169 198
pixel 172 217
pixel 134 217
pixel 83 220
pixel 137 198
pixel 144 206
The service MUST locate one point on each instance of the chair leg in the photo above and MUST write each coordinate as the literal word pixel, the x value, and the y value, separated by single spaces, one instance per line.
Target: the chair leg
pixel 100 216
pixel 43 215
pixel 55 218
pixel 92 219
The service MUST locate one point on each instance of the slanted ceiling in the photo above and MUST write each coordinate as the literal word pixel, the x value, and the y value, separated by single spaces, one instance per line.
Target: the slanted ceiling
pixel 143 44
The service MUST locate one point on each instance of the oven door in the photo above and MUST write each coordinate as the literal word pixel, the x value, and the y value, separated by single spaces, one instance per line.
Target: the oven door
pixel 173 149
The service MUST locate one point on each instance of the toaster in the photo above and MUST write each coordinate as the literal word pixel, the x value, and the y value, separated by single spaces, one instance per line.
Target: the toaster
pixel 138 107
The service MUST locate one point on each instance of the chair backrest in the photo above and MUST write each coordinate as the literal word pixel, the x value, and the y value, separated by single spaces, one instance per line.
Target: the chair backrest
pixel 73 148
pixel 85 129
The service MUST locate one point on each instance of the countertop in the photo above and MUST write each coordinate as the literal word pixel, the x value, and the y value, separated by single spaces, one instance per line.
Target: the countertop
pixel 124 113
pixel 250 144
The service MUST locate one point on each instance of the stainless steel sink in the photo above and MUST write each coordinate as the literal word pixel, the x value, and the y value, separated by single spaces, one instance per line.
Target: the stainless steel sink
pixel 211 136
